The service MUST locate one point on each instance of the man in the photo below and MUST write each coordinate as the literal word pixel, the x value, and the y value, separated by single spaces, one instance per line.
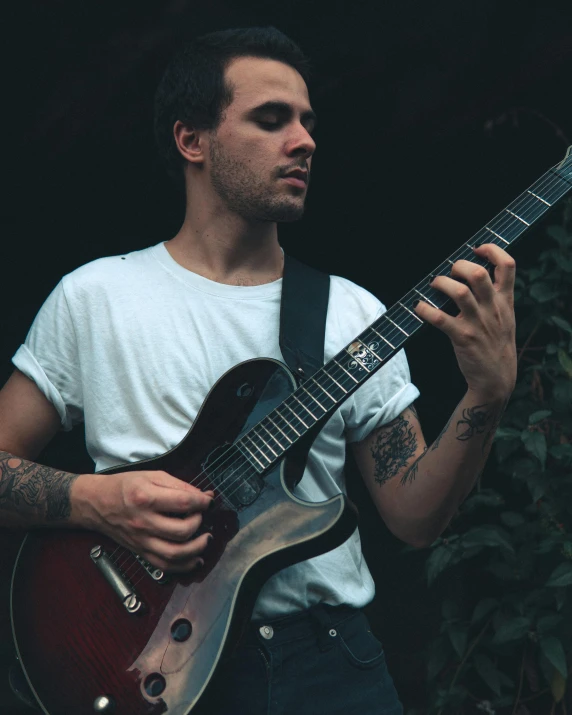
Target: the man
pixel 131 344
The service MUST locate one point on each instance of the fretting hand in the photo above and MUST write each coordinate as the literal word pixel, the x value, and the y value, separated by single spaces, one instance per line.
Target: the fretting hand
pixel 483 333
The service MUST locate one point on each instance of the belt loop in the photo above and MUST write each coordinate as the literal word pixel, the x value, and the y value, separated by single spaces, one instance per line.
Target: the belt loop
pixel 322 622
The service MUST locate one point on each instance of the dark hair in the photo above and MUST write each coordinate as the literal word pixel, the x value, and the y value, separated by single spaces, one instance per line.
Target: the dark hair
pixel 193 90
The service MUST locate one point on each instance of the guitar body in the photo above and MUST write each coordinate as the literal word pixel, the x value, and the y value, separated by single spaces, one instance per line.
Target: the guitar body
pixel 98 631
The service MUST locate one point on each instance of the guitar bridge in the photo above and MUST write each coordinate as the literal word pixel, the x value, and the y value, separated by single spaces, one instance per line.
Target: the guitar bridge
pixel 156 574
pixel 131 601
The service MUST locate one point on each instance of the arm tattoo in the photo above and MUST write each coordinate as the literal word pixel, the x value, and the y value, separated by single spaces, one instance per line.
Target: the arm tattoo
pixel 494 426
pixel 395 444
pixel 445 428
pixel 30 489
pixel 474 421
pixel 411 473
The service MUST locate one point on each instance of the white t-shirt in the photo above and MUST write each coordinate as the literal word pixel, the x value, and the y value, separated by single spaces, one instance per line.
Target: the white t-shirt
pixel 131 345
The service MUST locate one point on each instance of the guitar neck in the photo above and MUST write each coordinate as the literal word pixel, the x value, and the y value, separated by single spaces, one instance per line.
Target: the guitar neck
pixel 313 403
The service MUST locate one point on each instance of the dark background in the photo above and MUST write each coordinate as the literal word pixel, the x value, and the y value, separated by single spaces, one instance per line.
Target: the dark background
pixel 433 116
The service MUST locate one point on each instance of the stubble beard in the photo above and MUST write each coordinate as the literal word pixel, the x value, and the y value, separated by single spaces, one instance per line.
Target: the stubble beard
pixel 246 194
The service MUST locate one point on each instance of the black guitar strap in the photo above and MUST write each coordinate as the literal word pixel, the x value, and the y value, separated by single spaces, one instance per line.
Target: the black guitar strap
pixel 303 311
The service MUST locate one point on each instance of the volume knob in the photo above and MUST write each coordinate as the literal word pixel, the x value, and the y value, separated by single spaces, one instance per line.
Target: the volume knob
pixel 103 704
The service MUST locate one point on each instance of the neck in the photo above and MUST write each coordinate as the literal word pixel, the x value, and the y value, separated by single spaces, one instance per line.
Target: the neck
pixel 225 247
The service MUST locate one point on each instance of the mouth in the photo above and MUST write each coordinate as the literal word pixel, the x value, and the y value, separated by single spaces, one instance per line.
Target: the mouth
pixel 298 178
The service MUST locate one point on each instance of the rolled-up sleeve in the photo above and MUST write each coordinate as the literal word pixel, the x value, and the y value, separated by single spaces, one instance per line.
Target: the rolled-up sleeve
pixel 50 357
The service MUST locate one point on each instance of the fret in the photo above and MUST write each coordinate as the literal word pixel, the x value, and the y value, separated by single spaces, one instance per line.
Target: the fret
pixel 297 416
pixel 498 234
pixel 260 424
pixel 410 311
pixel 357 360
pixel 425 298
pixel 371 350
pixel 247 458
pixel 304 406
pixel 249 436
pixel 323 389
pixel 384 339
pixel 288 423
pixel 347 373
pixel 315 400
pixel 536 196
pixel 517 216
pixel 278 428
pixel 333 379
pixel 253 455
pixel 397 326
pixel 260 437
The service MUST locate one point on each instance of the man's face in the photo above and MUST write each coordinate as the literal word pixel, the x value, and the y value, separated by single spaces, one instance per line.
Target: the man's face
pixel 261 152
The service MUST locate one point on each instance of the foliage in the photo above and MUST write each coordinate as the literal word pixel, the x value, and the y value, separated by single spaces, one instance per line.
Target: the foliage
pixel 505 641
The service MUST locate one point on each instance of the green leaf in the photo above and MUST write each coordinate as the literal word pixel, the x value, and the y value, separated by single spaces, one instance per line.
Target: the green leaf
pixel 562 393
pixel 535 444
pixel 483 608
pixel 513 630
pixel 558 686
pixel 559 234
pixel 458 637
pixel 552 648
pixel 561 576
pixel 538 416
pixel 441 558
pixel 562 452
pixel 487 536
pixel 449 609
pixel 565 361
pixel 561 323
pixel 486 497
pixel 506 433
pixel 512 519
pixel 488 672
pixel 543 292
pixel 439 653
pixel 548 623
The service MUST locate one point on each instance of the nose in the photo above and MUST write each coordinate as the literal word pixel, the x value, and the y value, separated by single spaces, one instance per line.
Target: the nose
pixel 301 142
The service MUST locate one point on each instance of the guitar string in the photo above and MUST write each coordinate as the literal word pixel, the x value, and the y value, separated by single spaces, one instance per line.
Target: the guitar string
pixel 395 333
pixel 499 229
pixel 506 222
pixel 391 335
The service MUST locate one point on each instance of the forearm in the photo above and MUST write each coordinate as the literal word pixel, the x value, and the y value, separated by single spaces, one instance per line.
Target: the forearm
pixel 34 495
pixel 430 492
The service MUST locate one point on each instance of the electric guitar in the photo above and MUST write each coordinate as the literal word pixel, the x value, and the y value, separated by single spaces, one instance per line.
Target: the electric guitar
pixel 99 629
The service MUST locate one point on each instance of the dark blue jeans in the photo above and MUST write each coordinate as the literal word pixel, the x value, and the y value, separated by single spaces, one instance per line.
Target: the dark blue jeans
pixel 324 661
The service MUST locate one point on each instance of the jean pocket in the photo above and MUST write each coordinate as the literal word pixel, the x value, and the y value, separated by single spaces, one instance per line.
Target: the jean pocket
pixel 358 643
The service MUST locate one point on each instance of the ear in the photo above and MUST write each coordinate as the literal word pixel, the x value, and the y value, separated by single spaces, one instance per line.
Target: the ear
pixel 189 143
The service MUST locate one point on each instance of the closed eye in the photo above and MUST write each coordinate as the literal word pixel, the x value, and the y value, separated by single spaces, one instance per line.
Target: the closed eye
pixel 269 126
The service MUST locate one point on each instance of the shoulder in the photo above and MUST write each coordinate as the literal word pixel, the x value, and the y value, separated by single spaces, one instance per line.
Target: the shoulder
pixel 348 297
pixel 108 274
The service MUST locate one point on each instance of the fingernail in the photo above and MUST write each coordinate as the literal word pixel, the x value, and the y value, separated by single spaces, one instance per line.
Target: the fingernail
pixel 201 563
pixel 210 539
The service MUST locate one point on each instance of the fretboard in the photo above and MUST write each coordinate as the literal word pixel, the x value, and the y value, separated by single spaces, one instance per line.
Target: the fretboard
pixel 313 402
